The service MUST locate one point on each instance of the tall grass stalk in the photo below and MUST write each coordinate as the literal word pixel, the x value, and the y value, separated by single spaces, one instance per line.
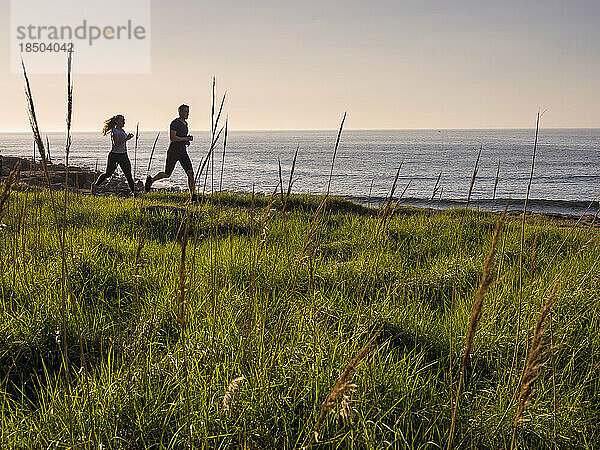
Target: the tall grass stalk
pixel 289 189
pixel 13 176
pixel 48 148
pixel 141 226
pixel 435 188
pixel 337 142
pixel 280 182
pixel 182 319
pixel 224 149
pixel 484 285
pixel 344 382
pixel 258 245
pixel 496 180
pixel 522 245
pixel 536 356
pixel 399 199
pixel 212 108
pixel 554 402
pixel 307 251
pixel 137 136
pixel 217 119
pixel 383 212
pixel 68 143
pixel 205 160
pixel 152 154
pixel 474 176
pixel 63 308
pixel 214 125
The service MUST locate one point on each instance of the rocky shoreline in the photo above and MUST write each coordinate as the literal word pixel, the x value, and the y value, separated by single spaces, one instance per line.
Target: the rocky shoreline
pixel 80 179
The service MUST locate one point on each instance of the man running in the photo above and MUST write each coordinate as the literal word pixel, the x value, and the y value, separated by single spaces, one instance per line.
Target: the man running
pixel 180 139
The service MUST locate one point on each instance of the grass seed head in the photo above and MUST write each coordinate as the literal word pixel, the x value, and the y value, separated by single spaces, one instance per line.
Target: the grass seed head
pixel 232 393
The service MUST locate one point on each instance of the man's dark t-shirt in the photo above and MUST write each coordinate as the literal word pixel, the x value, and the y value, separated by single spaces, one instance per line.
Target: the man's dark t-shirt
pixel 181 130
pixel 177 150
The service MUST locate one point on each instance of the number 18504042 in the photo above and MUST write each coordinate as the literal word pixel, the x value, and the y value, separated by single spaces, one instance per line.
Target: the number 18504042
pixel 36 47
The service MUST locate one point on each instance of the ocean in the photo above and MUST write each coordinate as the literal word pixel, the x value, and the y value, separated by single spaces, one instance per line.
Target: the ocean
pixel 566 178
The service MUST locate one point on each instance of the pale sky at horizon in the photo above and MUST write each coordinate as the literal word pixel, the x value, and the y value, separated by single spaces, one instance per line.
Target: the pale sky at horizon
pixel 300 65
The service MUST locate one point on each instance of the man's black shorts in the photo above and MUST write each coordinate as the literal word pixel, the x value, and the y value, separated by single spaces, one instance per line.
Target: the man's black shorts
pixel 174 155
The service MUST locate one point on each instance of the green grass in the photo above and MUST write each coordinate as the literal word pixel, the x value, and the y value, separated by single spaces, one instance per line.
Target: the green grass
pixel 250 311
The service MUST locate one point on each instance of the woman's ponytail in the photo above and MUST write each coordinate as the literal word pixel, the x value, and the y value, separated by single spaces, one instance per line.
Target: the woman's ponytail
pixel 110 124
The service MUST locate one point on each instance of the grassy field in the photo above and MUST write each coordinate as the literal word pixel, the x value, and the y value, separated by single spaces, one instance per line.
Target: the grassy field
pixel 286 305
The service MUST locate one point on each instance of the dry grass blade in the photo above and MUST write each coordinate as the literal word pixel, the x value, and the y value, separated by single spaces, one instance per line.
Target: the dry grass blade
pixel 520 302
pixel 484 285
pixel 137 136
pixel 436 187
pixel 383 212
pixel 535 360
pixel 69 137
pixel 69 106
pixel 388 210
pixel 34 123
pixel 397 203
pixel 212 107
pixel 232 393
pixel 346 411
pixel 311 230
pixel 48 149
pixel 40 145
pixel 8 183
pixel 216 122
pixel 474 176
pixel 496 182
pixel 224 149
pixel 344 384
pixel 208 155
pixel 370 191
pixel 68 142
pixel 181 319
pixel 322 205
pixel 337 143
pixel 486 279
pixel 280 181
pixel 289 189
pixel 181 290
pixel 262 237
pixel 534 250
pixel 152 154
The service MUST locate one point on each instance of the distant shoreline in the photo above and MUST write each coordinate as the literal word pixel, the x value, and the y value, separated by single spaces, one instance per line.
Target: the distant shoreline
pixel 322 130
pixel 81 179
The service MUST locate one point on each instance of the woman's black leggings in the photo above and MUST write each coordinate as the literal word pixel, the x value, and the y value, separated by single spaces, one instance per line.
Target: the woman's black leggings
pixel 123 161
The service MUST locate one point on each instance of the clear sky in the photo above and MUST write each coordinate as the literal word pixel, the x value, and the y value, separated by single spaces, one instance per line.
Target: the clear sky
pixel 300 65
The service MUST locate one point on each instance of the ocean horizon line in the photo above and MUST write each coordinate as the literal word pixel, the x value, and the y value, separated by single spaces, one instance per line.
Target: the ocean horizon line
pixel 21 132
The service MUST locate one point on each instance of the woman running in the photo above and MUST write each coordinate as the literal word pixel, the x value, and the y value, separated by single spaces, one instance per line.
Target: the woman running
pixel 118 153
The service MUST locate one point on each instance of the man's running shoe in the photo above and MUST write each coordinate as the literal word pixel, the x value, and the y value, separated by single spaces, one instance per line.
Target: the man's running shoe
pixel 148 183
